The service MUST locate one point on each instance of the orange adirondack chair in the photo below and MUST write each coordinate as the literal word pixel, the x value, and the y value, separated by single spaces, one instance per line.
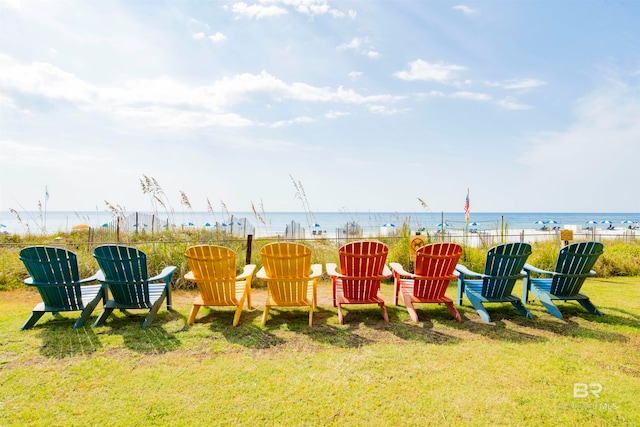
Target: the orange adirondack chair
pixel 213 270
pixel 291 278
pixel 434 268
pixel 362 268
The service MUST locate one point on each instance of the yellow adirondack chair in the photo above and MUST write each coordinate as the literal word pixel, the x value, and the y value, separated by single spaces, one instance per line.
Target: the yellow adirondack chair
pixel 213 270
pixel 291 278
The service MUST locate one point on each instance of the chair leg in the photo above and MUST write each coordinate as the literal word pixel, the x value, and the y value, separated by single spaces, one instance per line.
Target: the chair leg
pixel 549 305
pixel 410 308
pixel 169 298
pixel 265 313
pixel 586 303
pixel 103 316
pixel 477 304
pixel 396 290
pixel 522 309
pixel 525 290
pixel 249 306
pixel 311 315
pixel 460 291
pixel 236 317
pixel 35 316
pixel 454 312
pixel 340 316
pixel 86 313
pixel 192 315
pixel 153 312
pixel 385 315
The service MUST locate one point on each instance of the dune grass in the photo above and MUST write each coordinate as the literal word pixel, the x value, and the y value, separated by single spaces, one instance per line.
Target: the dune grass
pixel 513 371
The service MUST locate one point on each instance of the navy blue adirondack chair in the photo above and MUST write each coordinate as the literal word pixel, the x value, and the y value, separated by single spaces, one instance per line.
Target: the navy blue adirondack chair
pixel 503 267
pixel 54 272
pixel 123 271
pixel 574 265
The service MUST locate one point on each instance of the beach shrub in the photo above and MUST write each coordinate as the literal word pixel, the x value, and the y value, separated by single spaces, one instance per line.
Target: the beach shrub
pixel 620 258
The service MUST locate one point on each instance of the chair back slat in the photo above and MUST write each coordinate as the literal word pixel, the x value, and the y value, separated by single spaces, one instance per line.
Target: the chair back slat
pixel 574 263
pixel 504 264
pixel 54 272
pixel 288 267
pixel 214 272
pixel 125 272
pixel 363 264
pixel 435 263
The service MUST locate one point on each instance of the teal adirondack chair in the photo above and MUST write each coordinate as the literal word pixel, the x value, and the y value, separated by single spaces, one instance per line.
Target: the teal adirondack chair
pixel 54 272
pixel 123 271
pixel 573 266
pixel 503 267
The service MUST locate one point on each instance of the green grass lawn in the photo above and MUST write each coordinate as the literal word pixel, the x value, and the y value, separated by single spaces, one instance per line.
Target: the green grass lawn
pixel 513 371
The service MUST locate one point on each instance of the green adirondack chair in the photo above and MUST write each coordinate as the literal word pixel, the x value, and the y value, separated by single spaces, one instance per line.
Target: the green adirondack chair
pixel 54 272
pixel 123 271
pixel 573 266
pixel 503 267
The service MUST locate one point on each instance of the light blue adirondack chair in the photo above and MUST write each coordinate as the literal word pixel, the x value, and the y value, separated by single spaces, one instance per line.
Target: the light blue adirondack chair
pixel 123 271
pixel 503 267
pixel 573 266
pixel 54 272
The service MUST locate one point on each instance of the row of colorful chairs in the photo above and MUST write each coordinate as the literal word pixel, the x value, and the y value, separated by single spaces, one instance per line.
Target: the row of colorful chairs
pixel 292 280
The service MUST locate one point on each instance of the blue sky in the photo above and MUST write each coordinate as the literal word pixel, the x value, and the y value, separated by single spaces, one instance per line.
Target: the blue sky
pixel 369 105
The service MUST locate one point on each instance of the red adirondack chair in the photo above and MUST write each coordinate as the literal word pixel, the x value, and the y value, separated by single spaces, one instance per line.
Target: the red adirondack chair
pixel 434 268
pixel 362 268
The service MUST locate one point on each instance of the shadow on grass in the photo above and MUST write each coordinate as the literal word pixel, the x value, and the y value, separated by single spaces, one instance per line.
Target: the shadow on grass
pixel 498 329
pixel 59 340
pixel 155 339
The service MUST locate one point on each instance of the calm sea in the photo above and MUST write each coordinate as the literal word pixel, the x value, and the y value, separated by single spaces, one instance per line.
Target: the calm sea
pixel 274 223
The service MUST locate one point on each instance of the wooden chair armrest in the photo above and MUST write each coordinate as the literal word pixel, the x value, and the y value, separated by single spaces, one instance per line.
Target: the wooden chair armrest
pixel 262 274
pixel 332 270
pixel 247 272
pixel 464 270
pixel 166 272
pixel 316 271
pixel 399 271
pixel 528 268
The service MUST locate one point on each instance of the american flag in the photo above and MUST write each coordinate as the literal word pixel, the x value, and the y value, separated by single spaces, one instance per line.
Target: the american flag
pixel 466 207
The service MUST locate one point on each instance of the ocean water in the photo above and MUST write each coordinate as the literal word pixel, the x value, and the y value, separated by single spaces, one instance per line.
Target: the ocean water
pixel 275 223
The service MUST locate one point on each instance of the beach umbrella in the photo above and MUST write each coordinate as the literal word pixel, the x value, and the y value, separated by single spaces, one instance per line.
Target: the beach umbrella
pixel 446 224
pixel 551 221
pixel 2 225
pixel 206 224
pixel 388 225
pixel 626 221
pixel 605 221
pixel 81 227
pixel 473 224
pixel 539 222
pixel 316 225
pixel 591 222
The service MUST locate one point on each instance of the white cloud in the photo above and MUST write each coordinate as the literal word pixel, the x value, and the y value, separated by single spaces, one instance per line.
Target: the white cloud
pixel 510 103
pixel 257 11
pixel 355 75
pixel 465 9
pixel 471 95
pixel 217 37
pixel 361 45
pixel 423 70
pixel 199 36
pixel 168 103
pixel 296 120
pixel 517 84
